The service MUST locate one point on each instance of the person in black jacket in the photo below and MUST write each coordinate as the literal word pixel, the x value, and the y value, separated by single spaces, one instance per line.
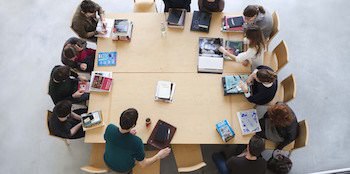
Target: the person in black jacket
pixel 63 85
pixel 262 85
pixel 184 4
pixel 279 125
pixel 211 5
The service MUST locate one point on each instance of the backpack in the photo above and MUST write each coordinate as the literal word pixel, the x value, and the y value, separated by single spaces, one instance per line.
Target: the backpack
pixel 279 163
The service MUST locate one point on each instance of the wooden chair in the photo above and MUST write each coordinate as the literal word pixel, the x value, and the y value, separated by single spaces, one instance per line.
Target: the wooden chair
pixel 188 157
pixel 300 142
pixel 275 28
pixel 145 6
pixel 278 58
pixel 96 163
pixel 286 91
pixel 152 169
pixel 48 116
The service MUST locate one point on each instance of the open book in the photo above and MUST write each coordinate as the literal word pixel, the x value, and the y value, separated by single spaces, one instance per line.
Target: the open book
pixel 210 59
pixel 249 121
pixel 109 27
pixel 101 81
pixel 231 83
pixel 165 91
pixel 92 120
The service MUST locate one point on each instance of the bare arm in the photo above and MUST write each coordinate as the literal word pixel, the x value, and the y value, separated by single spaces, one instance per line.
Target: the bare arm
pixel 160 155
pixel 224 51
pixel 75 129
pixel 76 116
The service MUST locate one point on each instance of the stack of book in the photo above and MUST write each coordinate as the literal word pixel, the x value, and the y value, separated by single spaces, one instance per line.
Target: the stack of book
pixel 101 81
pixel 225 130
pixel 231 83
pixel 201 21
pixel 232 24
pixel 122 30
pixel 249 121
pixel 176 18
pixel 210 59
pixel 92 120
pixel 165 91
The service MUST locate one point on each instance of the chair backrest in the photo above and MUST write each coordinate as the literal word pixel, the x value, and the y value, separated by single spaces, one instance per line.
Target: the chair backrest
pixel 281 52
pixel 151 169
pixel 303 136
pixel 275 25
pixel 96 163
pixel 188 157
pixel 289 88
pixel 145 6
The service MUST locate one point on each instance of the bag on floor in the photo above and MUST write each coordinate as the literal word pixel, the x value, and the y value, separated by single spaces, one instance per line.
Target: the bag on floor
pixel 279 163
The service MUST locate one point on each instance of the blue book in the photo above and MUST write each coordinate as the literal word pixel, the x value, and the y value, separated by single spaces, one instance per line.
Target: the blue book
pixel 107 59
pixel 225 130
pixel 231 83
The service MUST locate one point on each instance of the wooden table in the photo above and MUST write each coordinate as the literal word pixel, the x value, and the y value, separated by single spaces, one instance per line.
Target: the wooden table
pixel 198 103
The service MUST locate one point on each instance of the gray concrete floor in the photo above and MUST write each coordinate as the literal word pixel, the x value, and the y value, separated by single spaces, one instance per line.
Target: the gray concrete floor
pixel 32 34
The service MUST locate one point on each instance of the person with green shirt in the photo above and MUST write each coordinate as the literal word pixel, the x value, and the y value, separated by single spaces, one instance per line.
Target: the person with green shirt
pixel 124 149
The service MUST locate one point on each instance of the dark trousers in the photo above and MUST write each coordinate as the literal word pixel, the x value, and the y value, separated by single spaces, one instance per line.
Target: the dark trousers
pixel 220 162
pixel 82 98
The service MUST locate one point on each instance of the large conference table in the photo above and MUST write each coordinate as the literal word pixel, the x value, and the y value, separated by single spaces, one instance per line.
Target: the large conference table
pixel 199 102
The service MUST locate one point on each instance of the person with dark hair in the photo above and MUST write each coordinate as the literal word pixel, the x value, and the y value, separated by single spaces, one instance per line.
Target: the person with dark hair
pixel 76 55
pixel 257 15
pixel 279 125
pixel 248 162
pixel 124 148
pixel 183 4
pixel 211 5
pixel 262 85
pixel 84 21
pixel 63 85
pixel 255 52
pixel 64 123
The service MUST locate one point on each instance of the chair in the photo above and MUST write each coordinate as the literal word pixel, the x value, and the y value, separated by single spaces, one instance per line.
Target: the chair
pixel 96 163
pixel 275 28
pixel 145 6
pixel 300 142
pixel 188 157
pixel 152 169
pixel 48 117
pixel 278 58
pixel 286 91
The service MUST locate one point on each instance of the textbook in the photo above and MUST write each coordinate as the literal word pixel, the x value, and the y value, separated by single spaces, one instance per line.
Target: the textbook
pixel 176 18
pixel 231 83
pixel 122 30
pixel 232 24
pixel 107 59
pixel 210 59
pixel 249 121
pixel 165 91
pixel 109 27
pixel 92 120
pixel 201 21
pixel 101 81
pixel 225 130
pixel 84 85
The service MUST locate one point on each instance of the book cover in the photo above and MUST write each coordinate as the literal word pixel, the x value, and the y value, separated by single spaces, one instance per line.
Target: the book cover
pixel 165 91
pixel 210 59
pixel 121 25
pixel 161 135
pixel 101 81
pixel 107 59
pixel 249 121
pixel 231 83
pixel 201 21
pixel 225 130
pixel 226 28
pixel 232 22
pixel 92 120
pixel 234 47
pixel 174 16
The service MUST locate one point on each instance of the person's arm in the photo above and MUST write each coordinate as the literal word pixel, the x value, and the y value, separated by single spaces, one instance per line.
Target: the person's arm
pixel 291 136
pixel 160 155
pixel 75 129
pixel 200 5
pixel 69 62
pixel 75 116
pixel 225 52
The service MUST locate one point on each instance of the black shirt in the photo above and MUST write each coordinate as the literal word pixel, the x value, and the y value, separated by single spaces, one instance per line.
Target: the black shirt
pixel 62 129
pixel 241 165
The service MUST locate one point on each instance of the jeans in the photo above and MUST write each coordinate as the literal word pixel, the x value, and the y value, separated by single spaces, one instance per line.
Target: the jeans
pixel 220 163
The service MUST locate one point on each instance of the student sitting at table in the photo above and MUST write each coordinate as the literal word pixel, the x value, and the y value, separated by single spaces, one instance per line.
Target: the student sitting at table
pixel 76 55
pixel 123 148
pixel 262 84
pixel 279 125
pixel 63 85
pixel 256 48
pixel 65 123
pixel 211 5
pixel 84 21
pixel 184 4
pixel 248 162
pixel 257 15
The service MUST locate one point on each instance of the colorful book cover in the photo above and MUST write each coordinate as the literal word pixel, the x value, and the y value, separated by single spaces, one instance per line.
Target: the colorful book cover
pixel 225 130
pixel 107 59
pixel 249 121
pixel 234 47
pixel 231 83
pixel 103 83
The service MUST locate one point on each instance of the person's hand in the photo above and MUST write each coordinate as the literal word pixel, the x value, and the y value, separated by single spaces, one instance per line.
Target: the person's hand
pixel 133 131
pixel 245 63
pixel 104 31
pixel 243 86
pixel 78 93
pixel 163 153
pixel 83 66
pixel 83 78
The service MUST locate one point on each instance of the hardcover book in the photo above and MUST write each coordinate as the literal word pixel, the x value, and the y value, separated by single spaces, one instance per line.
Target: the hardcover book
pixel 107 59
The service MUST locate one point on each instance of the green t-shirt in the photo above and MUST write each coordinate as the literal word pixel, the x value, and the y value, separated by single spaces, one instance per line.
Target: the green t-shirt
pixel 122 149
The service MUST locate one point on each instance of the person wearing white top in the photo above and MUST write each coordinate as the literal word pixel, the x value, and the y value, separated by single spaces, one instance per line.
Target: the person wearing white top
pixel 255 52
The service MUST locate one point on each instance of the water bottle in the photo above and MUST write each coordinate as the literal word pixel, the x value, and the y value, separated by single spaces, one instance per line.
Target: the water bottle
pixel 163 29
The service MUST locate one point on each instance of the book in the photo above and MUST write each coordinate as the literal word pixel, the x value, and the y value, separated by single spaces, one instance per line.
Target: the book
pixel 109 27
pixel 92 120
pixel 201 21
pixel 122 30
pixel 107 59
pixel 232 24
pixel 161 135
pixel 231 83
pixel 225 130
pixel 101 81
pixel 210 59
pixel 165 91
pixel 84 85
pixel 248 121
pixel 176 18
pixel 234 47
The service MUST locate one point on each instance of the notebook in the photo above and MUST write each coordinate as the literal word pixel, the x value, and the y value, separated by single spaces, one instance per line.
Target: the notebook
pixel 161 135
pixel 201 21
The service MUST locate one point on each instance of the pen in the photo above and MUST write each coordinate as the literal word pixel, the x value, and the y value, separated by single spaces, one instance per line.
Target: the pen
pixel 168 133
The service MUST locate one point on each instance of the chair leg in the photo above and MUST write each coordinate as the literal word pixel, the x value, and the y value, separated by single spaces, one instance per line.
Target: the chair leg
pixel 67 142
